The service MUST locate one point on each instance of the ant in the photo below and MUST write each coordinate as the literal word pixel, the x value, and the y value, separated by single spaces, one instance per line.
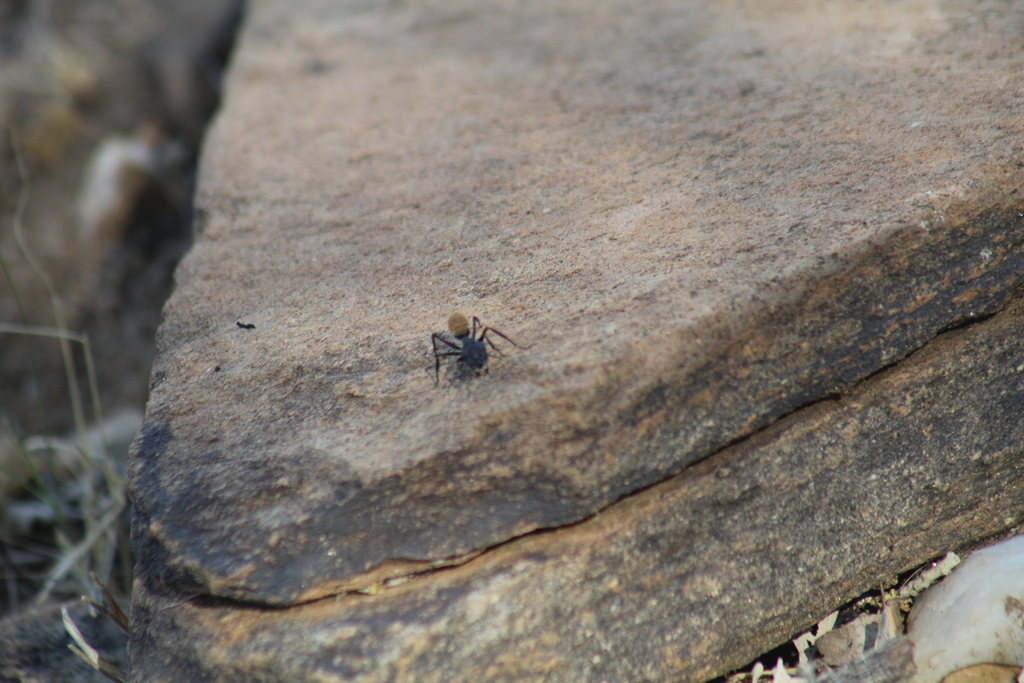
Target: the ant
pixel 473 352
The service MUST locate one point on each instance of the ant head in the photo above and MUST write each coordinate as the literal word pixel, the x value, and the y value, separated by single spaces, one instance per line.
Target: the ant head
pixel 458 325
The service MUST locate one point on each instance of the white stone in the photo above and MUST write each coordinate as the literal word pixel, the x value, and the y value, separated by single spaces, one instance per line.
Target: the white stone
pixel 975 615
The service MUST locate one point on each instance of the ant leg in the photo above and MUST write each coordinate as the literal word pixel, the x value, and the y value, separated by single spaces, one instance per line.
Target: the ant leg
pixel 437 363
pixel 438 355
pixel 476 323
pixel 438 338
pixel 503 336
pixel 483 338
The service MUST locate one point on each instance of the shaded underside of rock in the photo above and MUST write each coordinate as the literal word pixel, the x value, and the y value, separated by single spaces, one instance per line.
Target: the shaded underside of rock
pixel 684 580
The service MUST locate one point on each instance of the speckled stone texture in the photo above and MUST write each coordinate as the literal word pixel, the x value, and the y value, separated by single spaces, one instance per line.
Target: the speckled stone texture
pixel 701 216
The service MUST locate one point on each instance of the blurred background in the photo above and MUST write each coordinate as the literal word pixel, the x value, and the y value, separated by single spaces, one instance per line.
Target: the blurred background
pixel 103 105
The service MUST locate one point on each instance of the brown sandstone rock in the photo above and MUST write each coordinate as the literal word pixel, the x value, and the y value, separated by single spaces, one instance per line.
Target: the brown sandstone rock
pixel 681 581
pixel 703 217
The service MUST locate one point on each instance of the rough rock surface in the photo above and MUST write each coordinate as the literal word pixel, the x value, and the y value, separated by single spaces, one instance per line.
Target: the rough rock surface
pixel 681 581
pixel 701 216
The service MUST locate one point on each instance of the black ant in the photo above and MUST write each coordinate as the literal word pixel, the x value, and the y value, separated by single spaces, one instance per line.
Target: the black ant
pixel 473 352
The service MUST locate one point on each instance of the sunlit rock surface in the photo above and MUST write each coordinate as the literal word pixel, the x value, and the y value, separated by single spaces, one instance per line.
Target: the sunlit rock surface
pixel 700 217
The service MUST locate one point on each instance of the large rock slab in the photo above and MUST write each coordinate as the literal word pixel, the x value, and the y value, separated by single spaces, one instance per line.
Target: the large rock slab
pixel 680 582
pixel 701 216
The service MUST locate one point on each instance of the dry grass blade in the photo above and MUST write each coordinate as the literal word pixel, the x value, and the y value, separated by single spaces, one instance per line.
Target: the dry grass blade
pixel 67 562
pixel 84 650
pixel 88 653
pixel 110 608
pixel 55 301
pixel 100 505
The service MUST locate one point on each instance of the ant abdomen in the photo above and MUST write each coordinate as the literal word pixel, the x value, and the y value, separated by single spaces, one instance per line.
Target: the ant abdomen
pixel 458 325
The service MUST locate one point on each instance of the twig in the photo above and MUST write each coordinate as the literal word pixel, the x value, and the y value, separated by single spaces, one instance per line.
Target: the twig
pixel 929 576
